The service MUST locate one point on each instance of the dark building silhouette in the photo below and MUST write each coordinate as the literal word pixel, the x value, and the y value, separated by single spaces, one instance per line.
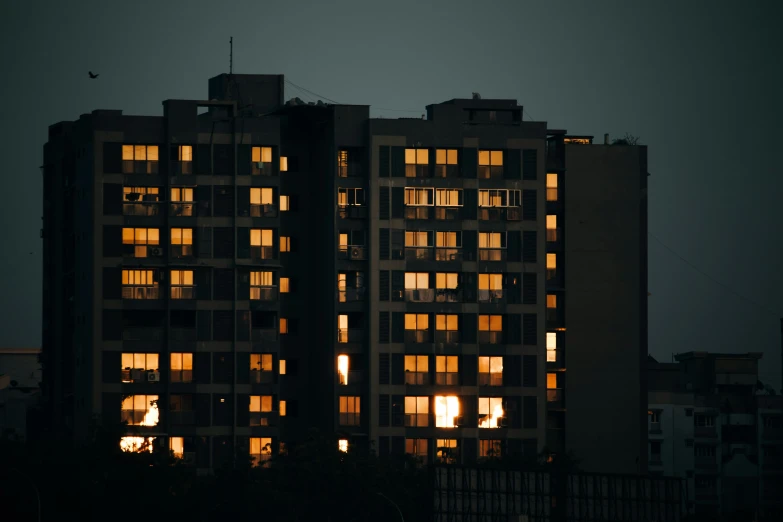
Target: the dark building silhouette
pixel 239 270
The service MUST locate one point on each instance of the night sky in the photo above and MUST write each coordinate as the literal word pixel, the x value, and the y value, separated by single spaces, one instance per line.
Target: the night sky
pixel 697 81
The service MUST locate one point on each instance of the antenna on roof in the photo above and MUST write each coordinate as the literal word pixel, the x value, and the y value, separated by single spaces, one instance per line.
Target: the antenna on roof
pixel 231 55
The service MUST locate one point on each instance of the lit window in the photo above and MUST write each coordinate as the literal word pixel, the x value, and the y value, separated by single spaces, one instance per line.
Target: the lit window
pixel 490 323
pixel 417 280
pixel 138 239
pixel 417 369
pixel 342 328
pixel 551 301
pixel 446 411
pixel 177 446
pixel 492 240
pixel 140 153
pixel 490 412
pixel 181 242
pixel 417 448
pixel 283 325
pixel 283 164
pixel 490 163
pixel 500 198
pixel 417 321
pixel 419 196
pixel 448 197
pixel 551 381
pixel 447 370
pixel 285 244
pixel 342 369
pixel 350 411
pixel 140 410
pixel 260 286
pixel 182 194
pixel 551 347
pixel 261 196
pixel 282 367
pixel 342 445
pixel 416 162
pixel 446 451
pixel 260 404
pixel 448 239
pixel 350 197
pixel 182 284
pixel 284 285
pixel 447 322
pixel 261 237
pixel 489 448
pixel 181 367
pixel 417 239
pixel 137 444
pixel 417 411
pixel 490 371
pixel 261 362
pixel 490 281
pixel 261 155
pixel 551 227
pixel 446 157
pixel 551 265
pixel 260 450
pixel 284 202
pixel 185 153
pixel 342 163
pixel 282 408
pixel 136 365
pixel 139 284
pixel 551 187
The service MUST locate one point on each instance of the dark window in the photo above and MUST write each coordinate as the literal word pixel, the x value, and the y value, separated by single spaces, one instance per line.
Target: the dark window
pixel 530 164
pixel 223 322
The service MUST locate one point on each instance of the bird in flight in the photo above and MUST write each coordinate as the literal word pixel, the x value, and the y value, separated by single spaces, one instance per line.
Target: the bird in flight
pixel 93 76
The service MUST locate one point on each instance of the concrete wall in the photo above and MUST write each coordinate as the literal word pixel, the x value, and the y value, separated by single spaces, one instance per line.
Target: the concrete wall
pixel 605 306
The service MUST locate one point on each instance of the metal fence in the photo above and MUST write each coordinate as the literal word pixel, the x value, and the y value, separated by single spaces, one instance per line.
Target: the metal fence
pixel 501 495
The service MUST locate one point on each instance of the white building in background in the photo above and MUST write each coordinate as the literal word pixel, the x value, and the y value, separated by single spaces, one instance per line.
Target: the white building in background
pixel 20 378
pixel 710 424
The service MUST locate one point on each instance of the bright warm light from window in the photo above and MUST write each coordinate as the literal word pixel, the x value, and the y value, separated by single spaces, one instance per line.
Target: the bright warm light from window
pixel 490 411
pixel 342 445
pixel 551 347
pixel 342 368
pixel 284 204
pixel 282 366
pixel 283 163
pixel 446 411
pixel 282 408
pixel 136 444
pixel 551 381
pixel 177 446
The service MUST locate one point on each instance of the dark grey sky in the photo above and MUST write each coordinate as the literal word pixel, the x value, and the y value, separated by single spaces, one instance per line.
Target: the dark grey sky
pixel 698 81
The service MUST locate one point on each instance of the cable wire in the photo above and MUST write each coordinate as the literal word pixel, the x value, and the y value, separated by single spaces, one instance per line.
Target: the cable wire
pixel 311 92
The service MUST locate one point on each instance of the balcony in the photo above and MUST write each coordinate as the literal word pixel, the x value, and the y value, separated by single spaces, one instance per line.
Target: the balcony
pixel 448 295
pixel 446 171
pixel 417 378
pixel 448 213
pixel 261 376
pixel 418 253
pixel 420 295
pixel 352 212
pixel 555 398
pixel 491 296
pixel 142 251
pixel 134 375
pixel 350 295
pixel 447 336
pixel 145 208
pixel 181 376
pixel 555 359
pixel 418 212
pixel 263 334
pixel 490 379
pixel 263 418
pixel 492 254
pixel 447 378
pixel 351 170
pixel 262 252
pixel 182 209
pixel 177 168
pixel 552 235
pixel 490 337
pixel 417 336
pixel 417 171
pixel 490 172
pixel 141 292
pixel 142 333
pixel 350 335
pixel 500 214
pixel 260 168
pixel 183 292
pixel 352 252
pixel 448 254
pixel 266 211
pixel 263 293
pixel 183 418
pixel 180 251
pixel 140 167
pixel 705 432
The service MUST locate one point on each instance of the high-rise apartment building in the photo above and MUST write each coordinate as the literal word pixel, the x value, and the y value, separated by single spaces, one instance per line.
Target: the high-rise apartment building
pixel 231 274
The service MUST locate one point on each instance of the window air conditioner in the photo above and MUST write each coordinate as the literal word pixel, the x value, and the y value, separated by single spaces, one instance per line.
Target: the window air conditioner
pixel 156 251
pixel 153 376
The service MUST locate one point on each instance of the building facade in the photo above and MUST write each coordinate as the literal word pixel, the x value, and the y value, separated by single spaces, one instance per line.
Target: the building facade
pixel 238 271
pixel 710 423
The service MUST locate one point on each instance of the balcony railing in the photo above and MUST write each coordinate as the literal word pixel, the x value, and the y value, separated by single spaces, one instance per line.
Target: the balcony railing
pixel 266 418
pixel 141 209
pixel 261 376
pixel 131 375
pixel 177 168
pixel 492 254
pixel 183 292
pixel 551 194
pixel 490 379
pixel 178 251
pixel 262 252
pixel 350 419
pixel 446 171
pixel 418 253
pixel 420 295
pixel 349 295
pixel 349 171
pixel 500 213
pixel 421 420
pixel 141 292
pixel 491 296
pixel 448 213
pixel 417 378
pixel 260 168
pixel 350 335
pixel 267 210
pixel 414 212
pixel 417 336
pixel 417 171
pixel 263 334
pixel 448 254
pixel 490 337
pixel 263 293
pixel 352 212
pixel 448 295
pixel 139 167
pixel 490 172
pixel 183 376
pixel 447 336
pixel 183 209
pixel 447 378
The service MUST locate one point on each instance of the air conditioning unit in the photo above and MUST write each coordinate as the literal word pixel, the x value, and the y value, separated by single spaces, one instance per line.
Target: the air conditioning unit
pixel 259 164
pixel 136 375
pixel 156 251
pixel 357 253
pixel 153 376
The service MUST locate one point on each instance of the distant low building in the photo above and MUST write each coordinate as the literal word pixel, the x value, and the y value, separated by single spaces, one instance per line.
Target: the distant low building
pixel 20 377
pixel 711 422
